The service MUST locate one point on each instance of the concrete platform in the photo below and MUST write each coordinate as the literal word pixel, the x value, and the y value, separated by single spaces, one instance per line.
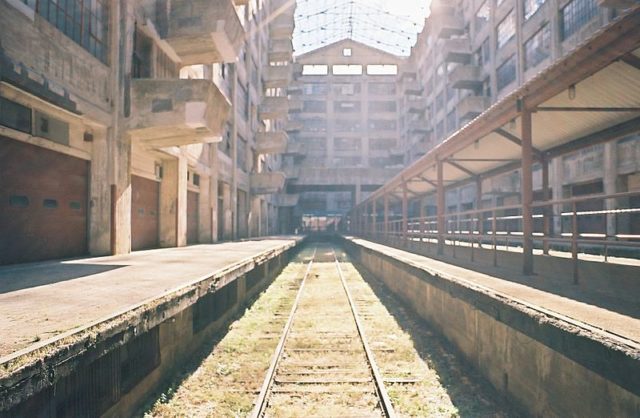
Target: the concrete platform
pixel 550 354
pixel 42 302
pixel 601 315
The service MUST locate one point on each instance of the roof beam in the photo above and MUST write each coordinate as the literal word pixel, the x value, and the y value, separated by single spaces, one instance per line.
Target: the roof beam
pixel 585 109
pixel 461 168
pixel 484 160
pixel 632 60
pixel 509 136
pixel 629 127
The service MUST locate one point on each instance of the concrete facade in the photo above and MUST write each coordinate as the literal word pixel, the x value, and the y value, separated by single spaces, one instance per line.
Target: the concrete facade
pixel 344 132
pixel 158 94
pixel 471 54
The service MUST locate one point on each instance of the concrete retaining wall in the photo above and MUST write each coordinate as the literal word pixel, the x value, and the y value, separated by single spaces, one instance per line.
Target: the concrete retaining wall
pixel 113 368
pixel 546 366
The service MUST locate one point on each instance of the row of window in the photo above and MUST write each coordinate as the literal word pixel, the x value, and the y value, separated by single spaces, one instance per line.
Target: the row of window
pixel 21 201
pixel 348 89
pixel 84 21
pixel 350 106
pixel 349 69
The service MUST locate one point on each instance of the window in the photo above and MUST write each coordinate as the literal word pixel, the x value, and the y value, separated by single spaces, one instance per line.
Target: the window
pixel 315 69
pixel 486 52
pixel 344 125
pixel 537 48
pixel 346 107
pixel 346 52
pixel 347 144
pixel 382 125
pixel 377 144
pixel 575 15
pixel 451 121
pixel 142 51
pixel 482 15
pixel 382 106
pixel 314 106
pixel 347 69
pixel 506 30
pixel 347 89
pixel 382 88
pixel 506 73
pixel 83 21
pixel 382 69
pixel 15 116
pixel 531 7
pixel 314 125
pixel 439 101
pixel 310 89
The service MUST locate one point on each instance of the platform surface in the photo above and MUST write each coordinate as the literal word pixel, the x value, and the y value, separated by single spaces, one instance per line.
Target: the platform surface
pixel 623 322
pixel 41 300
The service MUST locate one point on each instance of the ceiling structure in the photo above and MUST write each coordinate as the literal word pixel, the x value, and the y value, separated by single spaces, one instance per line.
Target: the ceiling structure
pixel 388 26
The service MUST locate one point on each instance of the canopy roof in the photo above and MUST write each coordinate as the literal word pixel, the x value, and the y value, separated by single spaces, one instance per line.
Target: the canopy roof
pixel 590 96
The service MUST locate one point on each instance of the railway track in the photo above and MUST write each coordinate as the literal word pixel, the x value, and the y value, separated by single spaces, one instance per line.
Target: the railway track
pixel 323 364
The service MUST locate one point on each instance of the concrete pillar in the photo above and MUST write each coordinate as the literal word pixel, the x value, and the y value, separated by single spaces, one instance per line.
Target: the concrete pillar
pixel 205 215
pixel 228 216
pixel 358 192
pixel 527 193
pixel 374 218
pixel 213 186
pixel 121 197
pixel 234 153
pixel 441 208
pixel 100 195
pixel 557 180
pixel 610 170
pixel 173 203
pixel 480 216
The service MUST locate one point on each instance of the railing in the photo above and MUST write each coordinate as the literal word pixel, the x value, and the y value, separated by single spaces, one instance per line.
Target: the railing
pixel 572 224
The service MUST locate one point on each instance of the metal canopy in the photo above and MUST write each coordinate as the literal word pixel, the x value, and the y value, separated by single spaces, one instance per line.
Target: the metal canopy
pixel 599 86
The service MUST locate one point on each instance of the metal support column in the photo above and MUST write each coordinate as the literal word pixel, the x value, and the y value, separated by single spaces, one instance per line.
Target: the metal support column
pixel 405 212
pixel 441 207
pixel 547 211
pixel 386 216
pixel 374 218
pixel 527 193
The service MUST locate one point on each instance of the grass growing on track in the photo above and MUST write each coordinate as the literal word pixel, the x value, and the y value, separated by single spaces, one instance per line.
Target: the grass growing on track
pixel 228 380
pixel 436 383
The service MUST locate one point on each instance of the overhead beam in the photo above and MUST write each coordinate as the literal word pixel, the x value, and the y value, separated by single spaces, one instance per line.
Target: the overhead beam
pixel 585 109
pixel 632 60
pixel 461 168
pixel 509 136
pixel 485 160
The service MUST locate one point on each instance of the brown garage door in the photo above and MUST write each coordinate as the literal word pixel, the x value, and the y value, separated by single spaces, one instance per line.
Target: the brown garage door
pixel 43 203
pixel 192 217
pixel 145 203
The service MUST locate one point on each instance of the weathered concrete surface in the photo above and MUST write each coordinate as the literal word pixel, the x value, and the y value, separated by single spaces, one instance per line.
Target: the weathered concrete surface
pixel 548 363
pixel 41 300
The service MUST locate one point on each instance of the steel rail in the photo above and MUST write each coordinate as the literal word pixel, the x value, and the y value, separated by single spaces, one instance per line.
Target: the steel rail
pixel 261 403
pixel 385 401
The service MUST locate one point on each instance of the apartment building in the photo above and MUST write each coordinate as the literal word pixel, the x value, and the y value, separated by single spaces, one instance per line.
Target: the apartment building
pixel 344 127
pixel 471 54
pixel 141 124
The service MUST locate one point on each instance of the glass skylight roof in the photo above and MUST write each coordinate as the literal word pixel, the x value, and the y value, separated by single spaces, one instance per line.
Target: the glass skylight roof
pixel 390 25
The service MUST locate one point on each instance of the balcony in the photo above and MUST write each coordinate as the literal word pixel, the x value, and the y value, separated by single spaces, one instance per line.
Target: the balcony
pixel 471 106
pixel 457 50
pixel 444 25
pixel 287 200
pixel 205 31
pixel 267 183
pixel 294 148
pixel 418 105
pixel 176 112
pixel 281 27
pixel 292 172
pixel 274 108
pixel 271 142
pixel 413 87
pixel 294 89
pixel 466 77
pixel 240 2
pixel 277 76
pixel 280 50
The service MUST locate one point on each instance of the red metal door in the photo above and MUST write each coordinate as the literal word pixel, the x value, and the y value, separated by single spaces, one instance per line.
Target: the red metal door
pixel 43 203
pixel 192 217
pixel 145 203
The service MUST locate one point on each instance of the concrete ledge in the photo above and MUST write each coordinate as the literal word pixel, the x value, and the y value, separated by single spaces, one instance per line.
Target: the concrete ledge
pixel 28 377
pixel 548 364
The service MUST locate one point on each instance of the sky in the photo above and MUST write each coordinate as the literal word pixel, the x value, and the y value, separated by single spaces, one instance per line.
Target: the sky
pixel 389 25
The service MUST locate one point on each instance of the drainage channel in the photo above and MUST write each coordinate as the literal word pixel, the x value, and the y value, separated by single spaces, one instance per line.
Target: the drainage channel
pixel 326 340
